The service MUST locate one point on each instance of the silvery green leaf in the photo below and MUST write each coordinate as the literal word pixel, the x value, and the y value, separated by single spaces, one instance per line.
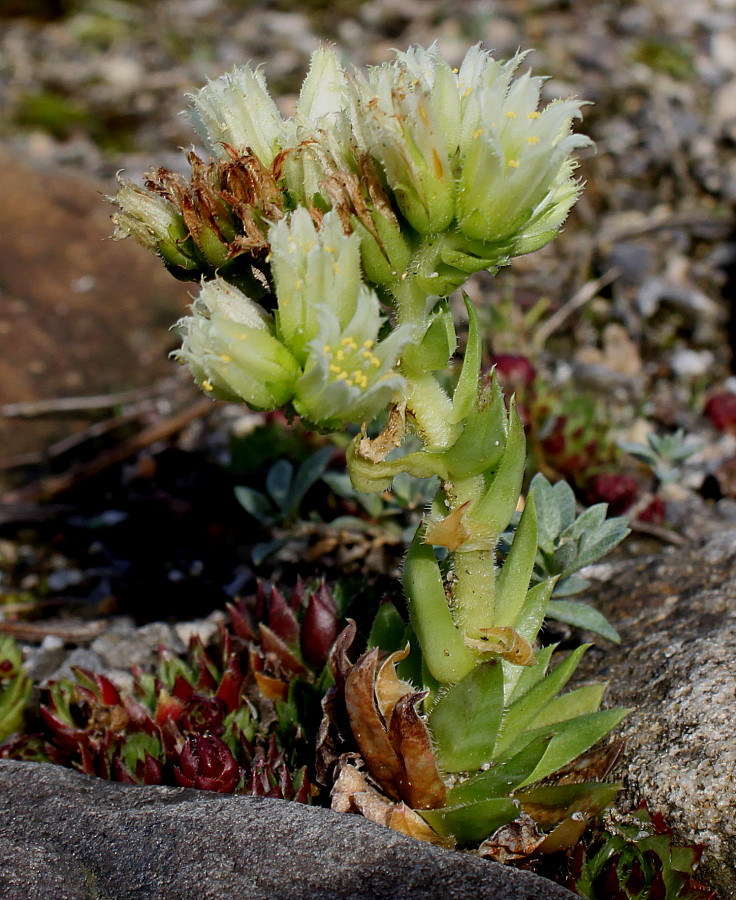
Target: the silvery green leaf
pixel 278 483
pixel 582 616
pixel 310 471
pixel 555 509
pixel 588 522
pixel 595 544
pixel 568 587
pixel 260 552
pixel 254 502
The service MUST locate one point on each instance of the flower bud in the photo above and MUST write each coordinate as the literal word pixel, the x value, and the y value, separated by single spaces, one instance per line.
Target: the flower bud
pixel 156 224
pixel 313 269
pixel 229 345
pixel 236 109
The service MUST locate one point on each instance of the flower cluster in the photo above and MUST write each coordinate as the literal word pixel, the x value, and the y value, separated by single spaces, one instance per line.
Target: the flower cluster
pixel 412 176
pixel 320 351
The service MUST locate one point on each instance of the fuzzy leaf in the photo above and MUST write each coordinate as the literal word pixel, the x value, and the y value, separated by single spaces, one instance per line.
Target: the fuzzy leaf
pixel 555 509
pixel 308 474
pixel 464 722
pixel 583 700
pixel 502 778
pixel 278 484
pixel 582 616
pixel 513 580
pixel 524 710
pixel 574 737
pixel 472 823
pixel 254 502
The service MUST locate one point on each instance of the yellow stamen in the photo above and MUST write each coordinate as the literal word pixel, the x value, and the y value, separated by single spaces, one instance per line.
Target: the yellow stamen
pixel 326 349
pixel 298 284
pixel 511 114
pixel 369 344
pixel 349 342
pixel 341 376
pixel 207 385
pixel 478 132
pixel 375 361
pixel 534 115
pixel 334 368
pixel 533 139
pixel 513 163
pixel 225 358
pixel 340 355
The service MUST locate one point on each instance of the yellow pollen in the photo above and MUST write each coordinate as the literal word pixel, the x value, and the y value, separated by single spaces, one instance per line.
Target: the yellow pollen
pixel 533 115
pixel 511 114
pixel 423 112
pixel 375 361
pixel 456 71
pixel 478 132
pixel 207 385
pixel 467 92
pixel 225 358
pixel 334 368
pixel 513 163
pixel 437 162
pixel 369 344
pixel 340 355
pixel 327 349
pixel 349 342
pixel 533 139
pixel 329 249
pixel 341 376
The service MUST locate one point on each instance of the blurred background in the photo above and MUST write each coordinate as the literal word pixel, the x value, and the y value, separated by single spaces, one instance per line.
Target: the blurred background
pixel 629 311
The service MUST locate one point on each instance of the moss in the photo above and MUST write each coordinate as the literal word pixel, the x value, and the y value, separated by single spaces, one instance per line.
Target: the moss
pixel 670 57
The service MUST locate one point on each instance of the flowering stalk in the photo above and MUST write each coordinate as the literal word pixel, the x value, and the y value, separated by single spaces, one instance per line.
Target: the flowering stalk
pixel 326 244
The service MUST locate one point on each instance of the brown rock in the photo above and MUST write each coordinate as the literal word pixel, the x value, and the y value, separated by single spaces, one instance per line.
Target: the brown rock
pixel 80 314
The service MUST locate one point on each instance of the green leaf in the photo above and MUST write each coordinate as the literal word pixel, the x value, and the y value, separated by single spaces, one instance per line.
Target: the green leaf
pixel 278 483
pixel 255 503
pixel 387 631
pixel 582 616
pixel 466 392
pixel 524 710
pixel 528 676
pixel 555 509
pixel 532 614
pixel 583 700
pixel 512 583
pixel 310 471
pixel 589 798
pixel 473 823
pixel 443 648
pixel 502 778
pixel 465 720
pixel 574 737
pixel 260 552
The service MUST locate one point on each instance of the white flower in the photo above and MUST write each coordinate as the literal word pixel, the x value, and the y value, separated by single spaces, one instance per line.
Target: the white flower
pixel 229 345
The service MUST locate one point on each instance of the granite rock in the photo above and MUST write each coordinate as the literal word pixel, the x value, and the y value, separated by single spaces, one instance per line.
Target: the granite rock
pixel 676 613
pixel 70 837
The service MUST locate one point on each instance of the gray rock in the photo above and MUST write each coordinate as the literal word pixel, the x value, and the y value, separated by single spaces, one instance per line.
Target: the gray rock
pixel 64 836
pixel 676 613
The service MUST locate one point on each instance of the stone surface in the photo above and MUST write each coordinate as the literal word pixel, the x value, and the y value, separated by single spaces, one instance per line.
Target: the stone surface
pixel 676 613
pixel 81 314
pixel 69 837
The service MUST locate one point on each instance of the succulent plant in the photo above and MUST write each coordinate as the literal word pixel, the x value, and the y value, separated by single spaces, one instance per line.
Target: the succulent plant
pixel 15 687
pixel 383 194
pixel 635 857
pixel 238 717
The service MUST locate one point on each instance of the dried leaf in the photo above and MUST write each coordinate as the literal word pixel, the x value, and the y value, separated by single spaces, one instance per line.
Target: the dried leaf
pixel 423 787
pixel 406 821
pixel 450 532
pixel 517 840
pixel 353 793
pixel 389 687
pixel 377 449
pixel 271 688
pixel 504 642
pixel 368 728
